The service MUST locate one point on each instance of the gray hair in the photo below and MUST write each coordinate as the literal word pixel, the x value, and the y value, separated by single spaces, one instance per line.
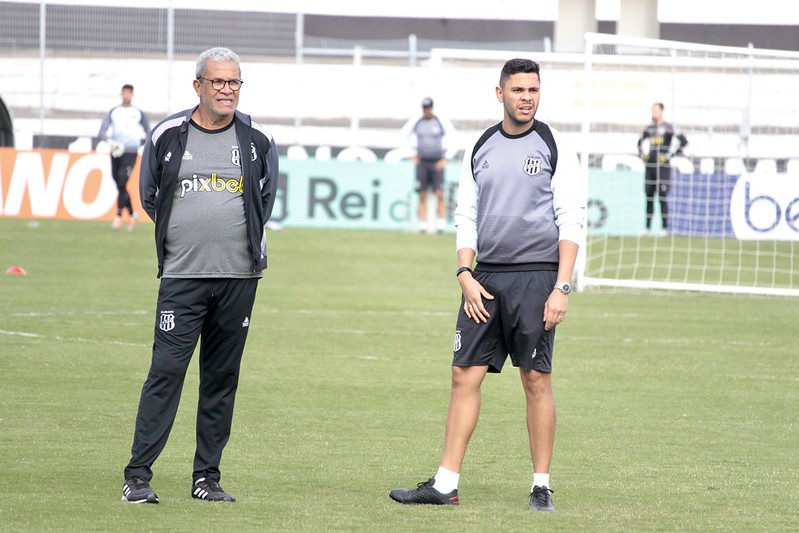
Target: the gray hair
pixel 219 54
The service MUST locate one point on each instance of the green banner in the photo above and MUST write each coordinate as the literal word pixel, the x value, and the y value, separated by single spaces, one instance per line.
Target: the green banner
pixel 380 195
pixel 353 194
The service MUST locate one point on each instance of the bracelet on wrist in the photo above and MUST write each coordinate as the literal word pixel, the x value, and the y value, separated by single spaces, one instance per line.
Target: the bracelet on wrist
pixel 461 270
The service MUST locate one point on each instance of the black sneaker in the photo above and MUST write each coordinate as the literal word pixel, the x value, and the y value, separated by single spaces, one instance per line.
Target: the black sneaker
pixel 137 490
pixel 541 499
pixel 425 493
pixel 208 489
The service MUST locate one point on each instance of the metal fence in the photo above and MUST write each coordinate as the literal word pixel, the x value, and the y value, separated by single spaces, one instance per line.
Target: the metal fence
pixel 40 40
pixel 59 30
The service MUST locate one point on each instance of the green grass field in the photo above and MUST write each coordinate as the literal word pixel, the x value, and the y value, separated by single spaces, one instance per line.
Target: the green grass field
pixel 676 411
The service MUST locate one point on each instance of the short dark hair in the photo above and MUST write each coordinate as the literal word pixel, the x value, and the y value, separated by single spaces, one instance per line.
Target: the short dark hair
pixel 516 66
pixel 127 86
pixel 660 105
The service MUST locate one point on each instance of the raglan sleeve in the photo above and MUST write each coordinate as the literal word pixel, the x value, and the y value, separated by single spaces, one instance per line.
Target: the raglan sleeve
pixel 569 192
pixel 466 210
pixel 104 125
pixel 450 140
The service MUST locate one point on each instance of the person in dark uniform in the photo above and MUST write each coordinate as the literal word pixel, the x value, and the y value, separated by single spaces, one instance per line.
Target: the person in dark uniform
pixel 655 148
pixel 431 134
pixel 521 213
pixel 128 125
pixel 208 181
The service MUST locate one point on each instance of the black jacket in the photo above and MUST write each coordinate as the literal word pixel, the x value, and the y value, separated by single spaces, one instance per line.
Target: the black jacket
pixel 163 152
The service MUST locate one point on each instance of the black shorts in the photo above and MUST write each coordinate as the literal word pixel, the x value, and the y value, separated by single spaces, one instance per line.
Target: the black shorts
pixel 516 325
pixel 428 176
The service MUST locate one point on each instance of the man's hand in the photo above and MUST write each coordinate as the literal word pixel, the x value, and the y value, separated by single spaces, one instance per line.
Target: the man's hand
pixel 555 309
pixel 473 294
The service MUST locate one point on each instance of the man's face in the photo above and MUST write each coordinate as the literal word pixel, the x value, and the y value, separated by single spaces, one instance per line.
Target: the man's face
pixel 427 112
pixel 657 113
pixel 218 104
pixel 519 96
pixel 127 96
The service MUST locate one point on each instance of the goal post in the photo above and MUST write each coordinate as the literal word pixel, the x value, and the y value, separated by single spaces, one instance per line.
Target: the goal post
pixel 733 200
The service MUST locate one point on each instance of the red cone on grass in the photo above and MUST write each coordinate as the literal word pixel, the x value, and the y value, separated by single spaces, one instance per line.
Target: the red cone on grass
pixel 16 270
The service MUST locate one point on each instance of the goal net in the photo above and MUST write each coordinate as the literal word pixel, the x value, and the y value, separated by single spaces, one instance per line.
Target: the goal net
pixel 733 196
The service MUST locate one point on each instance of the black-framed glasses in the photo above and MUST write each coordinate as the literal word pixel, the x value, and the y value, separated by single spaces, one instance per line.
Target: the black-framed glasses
pixel 218 84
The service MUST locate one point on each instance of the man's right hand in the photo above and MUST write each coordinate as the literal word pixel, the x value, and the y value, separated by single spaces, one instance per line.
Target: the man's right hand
pixel 473 294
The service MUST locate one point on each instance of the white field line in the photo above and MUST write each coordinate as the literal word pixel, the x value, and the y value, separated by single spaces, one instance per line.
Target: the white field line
pixel 363 313
pixel 68 339
pixel 565 336
pixel 37 314
pixel 329 312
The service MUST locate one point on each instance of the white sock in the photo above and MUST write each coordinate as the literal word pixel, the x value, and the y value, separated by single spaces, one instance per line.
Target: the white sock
pixel 446 480
pixel 440 224
pixel 422 226
pixel 540 480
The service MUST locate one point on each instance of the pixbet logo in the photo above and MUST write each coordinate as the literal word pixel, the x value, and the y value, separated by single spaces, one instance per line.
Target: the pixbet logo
pixel 765 207
pixel 214 183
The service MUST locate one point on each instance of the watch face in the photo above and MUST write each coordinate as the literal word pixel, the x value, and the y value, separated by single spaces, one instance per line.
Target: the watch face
pixel 565 288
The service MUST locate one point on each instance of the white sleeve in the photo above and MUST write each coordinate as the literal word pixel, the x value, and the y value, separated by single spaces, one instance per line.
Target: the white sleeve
pixel 407 134
pixel 449 141
pixel 569 192
pixel 466 210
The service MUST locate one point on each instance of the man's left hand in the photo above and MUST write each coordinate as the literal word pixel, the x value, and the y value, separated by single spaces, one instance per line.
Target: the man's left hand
pixel 555 309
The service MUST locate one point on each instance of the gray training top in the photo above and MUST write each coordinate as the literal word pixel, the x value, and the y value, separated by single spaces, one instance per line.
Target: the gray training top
pixel 207 233
pixel 519 195
pixel 429 137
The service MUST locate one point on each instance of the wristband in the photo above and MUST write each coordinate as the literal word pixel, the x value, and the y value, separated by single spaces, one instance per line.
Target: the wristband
pixel 461 270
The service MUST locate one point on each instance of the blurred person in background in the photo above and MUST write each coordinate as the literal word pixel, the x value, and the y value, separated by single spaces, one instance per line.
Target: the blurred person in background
pixel 655 148
pixel 429 135
pixel 128 126
pixel 208 180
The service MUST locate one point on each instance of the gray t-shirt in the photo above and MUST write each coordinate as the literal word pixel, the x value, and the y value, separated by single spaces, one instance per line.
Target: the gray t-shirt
pixel 207 233
pixel 429 137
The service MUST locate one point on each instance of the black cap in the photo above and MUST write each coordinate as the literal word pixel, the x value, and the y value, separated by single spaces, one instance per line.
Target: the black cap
pixel 427 102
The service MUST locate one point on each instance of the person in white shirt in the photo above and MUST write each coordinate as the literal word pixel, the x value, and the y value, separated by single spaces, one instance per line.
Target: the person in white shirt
pixel 128 126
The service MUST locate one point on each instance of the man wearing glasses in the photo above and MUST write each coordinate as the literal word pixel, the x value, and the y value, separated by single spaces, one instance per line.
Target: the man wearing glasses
pixel 208 181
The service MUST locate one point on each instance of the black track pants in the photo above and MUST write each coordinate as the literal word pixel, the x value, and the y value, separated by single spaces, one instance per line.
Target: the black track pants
pixel 217 312
pixel 121 168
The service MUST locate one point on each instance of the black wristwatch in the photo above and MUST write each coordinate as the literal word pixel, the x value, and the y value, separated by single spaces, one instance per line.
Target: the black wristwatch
pixel 461 270
pixel 565 288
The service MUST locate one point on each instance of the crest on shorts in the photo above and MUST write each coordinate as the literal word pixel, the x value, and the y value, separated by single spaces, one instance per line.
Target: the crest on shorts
pixel 167 321
pixel 457 345
pixel 532 166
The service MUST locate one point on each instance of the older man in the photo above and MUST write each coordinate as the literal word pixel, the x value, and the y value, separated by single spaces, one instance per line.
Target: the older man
pixel 208 180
